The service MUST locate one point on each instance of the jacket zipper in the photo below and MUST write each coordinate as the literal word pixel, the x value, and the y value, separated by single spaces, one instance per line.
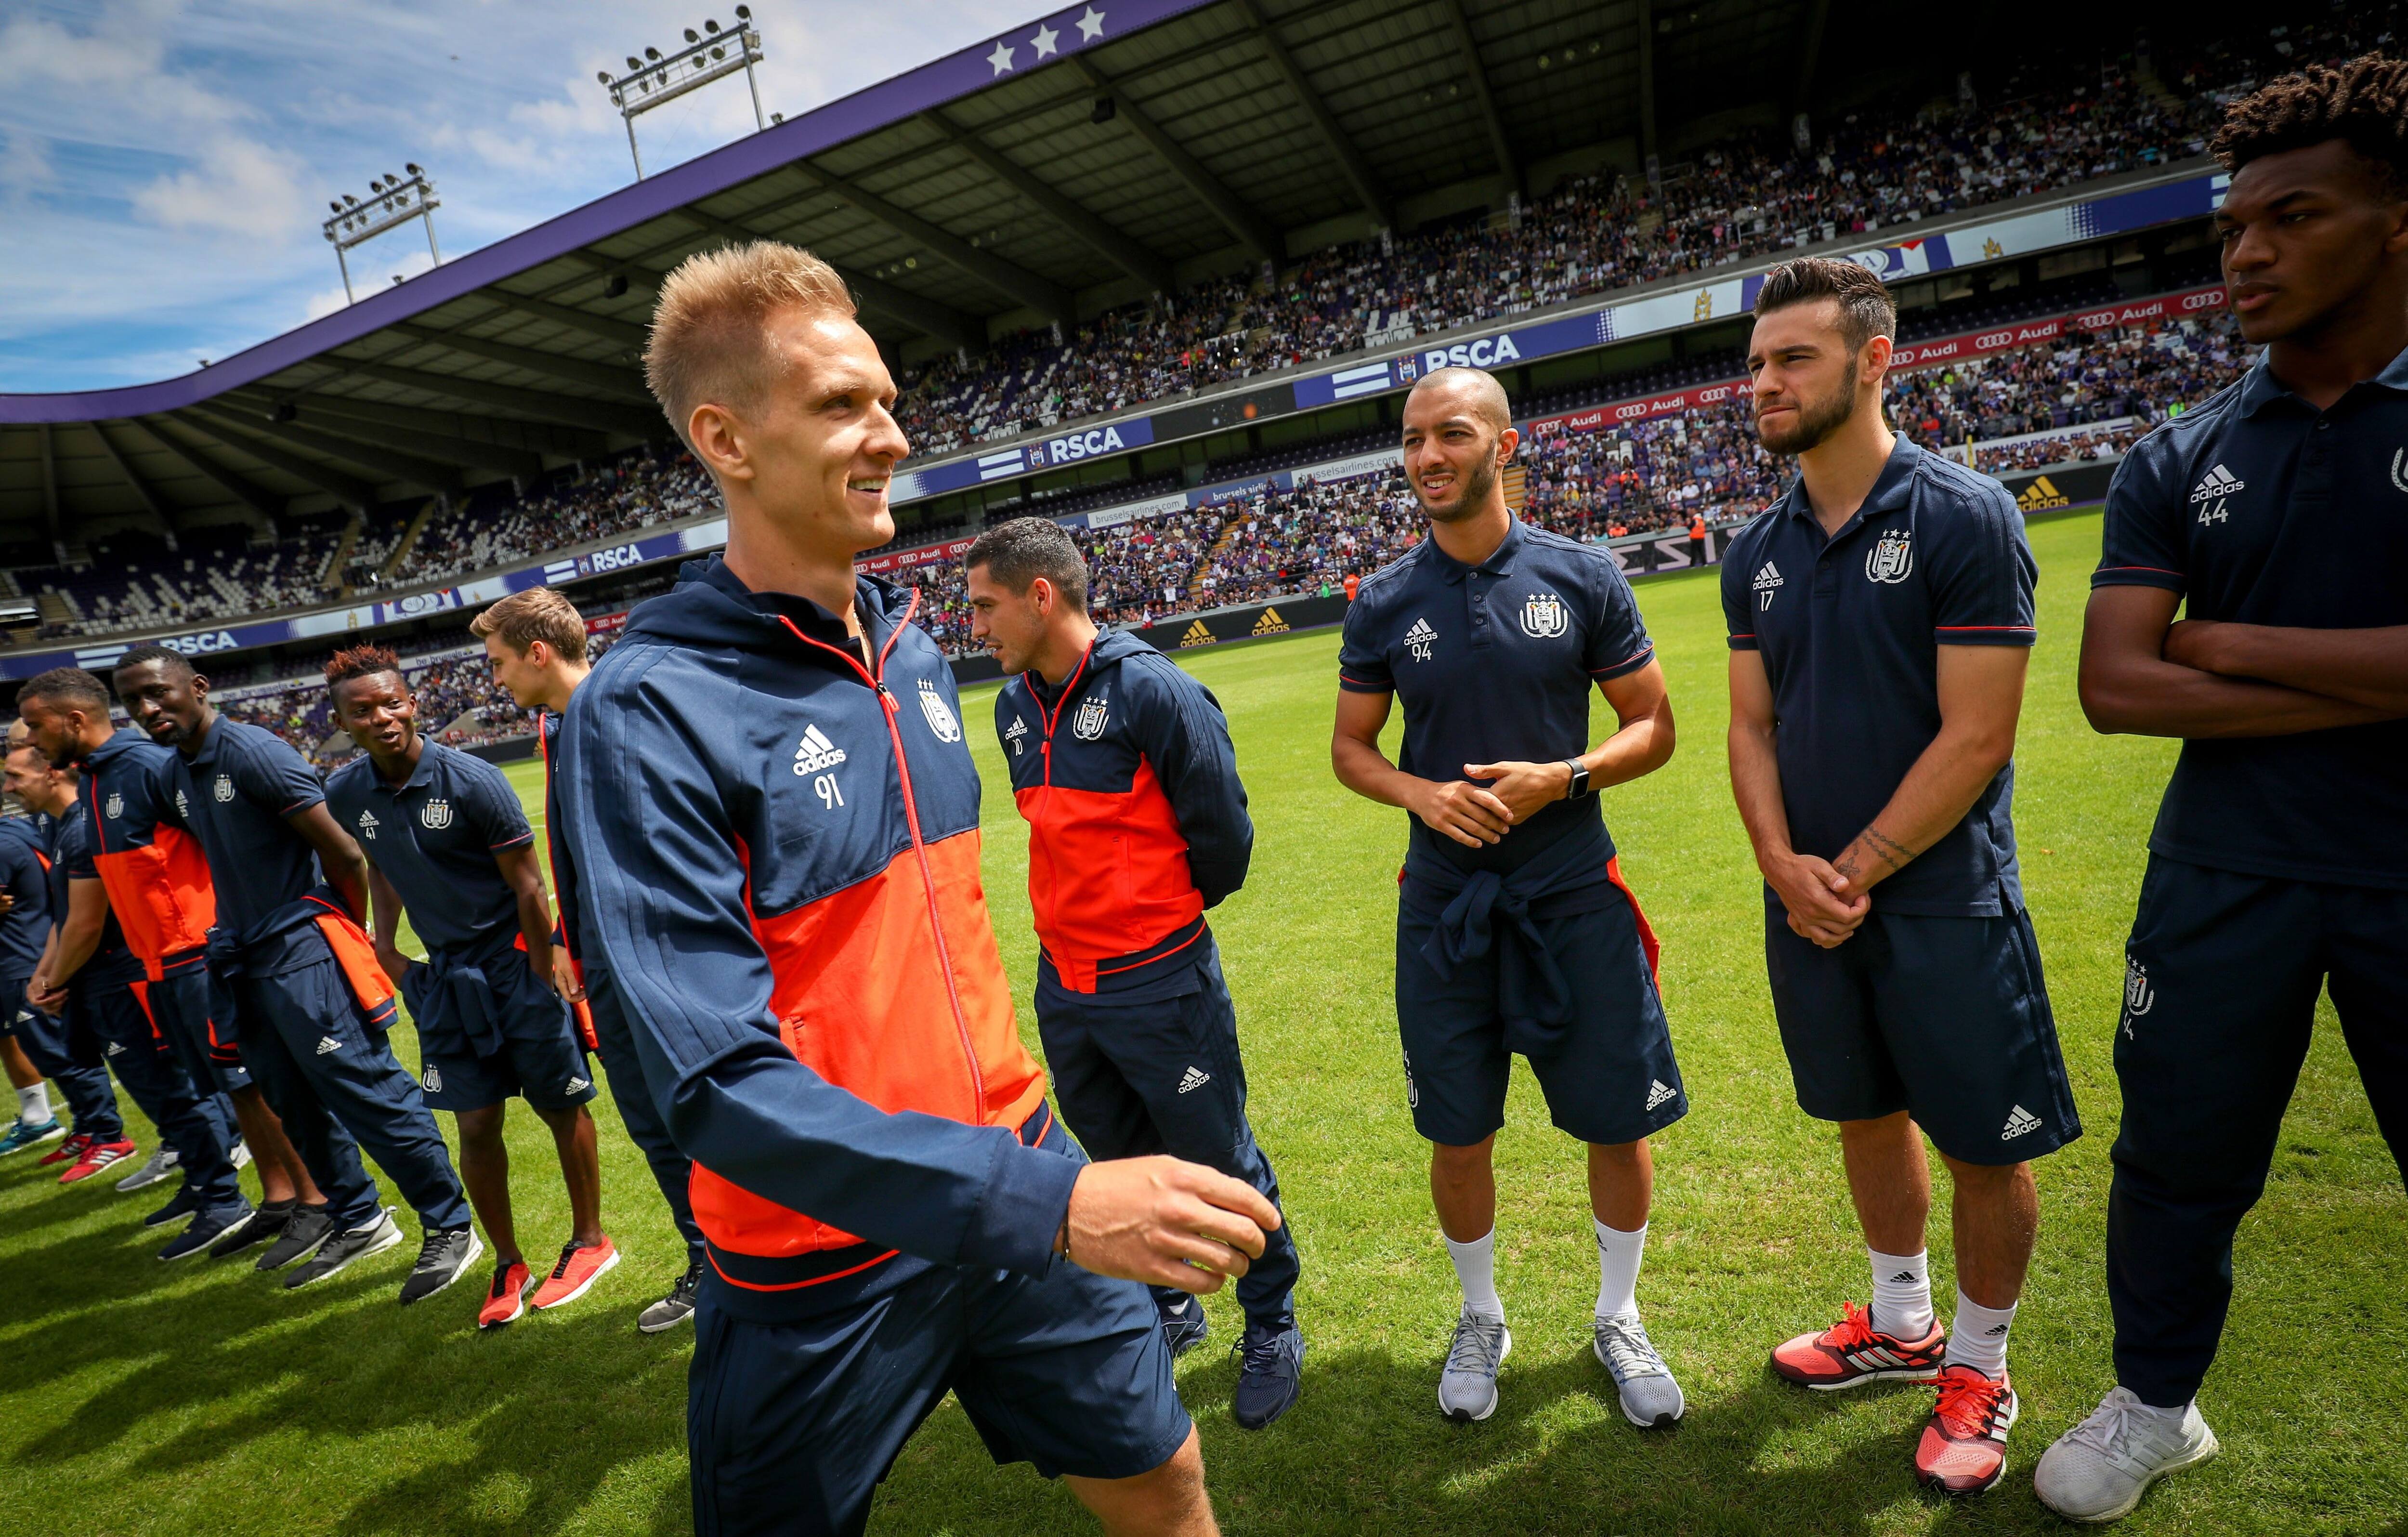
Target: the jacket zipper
pixel 918 845
pixel 1045 742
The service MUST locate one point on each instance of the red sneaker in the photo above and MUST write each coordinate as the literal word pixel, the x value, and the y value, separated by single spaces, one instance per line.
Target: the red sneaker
pixel 1852 1351
pixel 1964 1447
pixel 69 1151
pixel 580 1266
pixel 96 1157
pixel 506 1302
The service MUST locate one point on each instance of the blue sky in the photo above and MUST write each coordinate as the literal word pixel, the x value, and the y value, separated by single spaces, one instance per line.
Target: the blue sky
pixel 164 164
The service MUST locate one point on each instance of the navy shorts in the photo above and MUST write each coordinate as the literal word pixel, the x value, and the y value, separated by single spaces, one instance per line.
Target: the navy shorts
pixel 538 1058
pixel 1608 1075
pixel 1947 1018
pixel 792 1426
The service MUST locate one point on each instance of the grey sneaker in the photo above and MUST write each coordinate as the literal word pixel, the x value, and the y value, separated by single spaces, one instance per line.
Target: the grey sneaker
pixel 674 1309
pixel 1651 1400
pixel 336 1255
pixel 1467 1389
pixel 2098 1469
pixel 442 1258
pixel 307 1227
pixel 163 1163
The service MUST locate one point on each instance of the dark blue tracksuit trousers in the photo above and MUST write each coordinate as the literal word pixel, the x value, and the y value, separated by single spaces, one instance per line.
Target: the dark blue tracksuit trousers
pixel 67 1055
pixel 615 1043
pixel 2219 1002
pixel 337 1087
pixel 199 1126
pixel 1135 1079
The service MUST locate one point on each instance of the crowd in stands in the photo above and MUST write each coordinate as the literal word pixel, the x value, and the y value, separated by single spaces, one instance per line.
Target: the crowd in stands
pixel 2044 126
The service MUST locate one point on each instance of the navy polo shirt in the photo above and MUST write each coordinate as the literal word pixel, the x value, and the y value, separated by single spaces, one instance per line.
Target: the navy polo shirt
pixel 434 837
pixel 234 795
pixel 1494 663
pixel 1850 628
pixel 2260 510
pixel 111 960
pixel 27 881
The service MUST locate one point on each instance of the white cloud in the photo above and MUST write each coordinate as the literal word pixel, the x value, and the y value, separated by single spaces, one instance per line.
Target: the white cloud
pixel 163 173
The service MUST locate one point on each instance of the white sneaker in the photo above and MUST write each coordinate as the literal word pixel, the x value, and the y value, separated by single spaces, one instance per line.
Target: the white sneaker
pixel 2098 1469
pixel 1651 1400
pixel 1467 1389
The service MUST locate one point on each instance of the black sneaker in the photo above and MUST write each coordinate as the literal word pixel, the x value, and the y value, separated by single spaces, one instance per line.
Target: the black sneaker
pixel 182 1203
pixel 265 1222
pixel 443 1258
pixel 309 1228
pixel 374 1236
pixel 677 1307
pixel 1184 1326
pixel 207 1229
pixel 1270 1374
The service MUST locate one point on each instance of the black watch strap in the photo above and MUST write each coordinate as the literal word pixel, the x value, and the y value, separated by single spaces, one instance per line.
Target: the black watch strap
pixel 1579 786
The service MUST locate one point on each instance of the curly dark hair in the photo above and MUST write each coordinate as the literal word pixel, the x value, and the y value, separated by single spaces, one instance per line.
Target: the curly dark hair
pixel 362 662
pixel 2364 101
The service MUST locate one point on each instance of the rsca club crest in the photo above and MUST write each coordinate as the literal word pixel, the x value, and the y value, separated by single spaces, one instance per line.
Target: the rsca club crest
pixel 223 789
pixel 116 806
pixel 1088 723
pixel 941 715
pixel 434 1079
pixel 1544 617
pixel 2138 995
pixel 434 815
pixel 1890 559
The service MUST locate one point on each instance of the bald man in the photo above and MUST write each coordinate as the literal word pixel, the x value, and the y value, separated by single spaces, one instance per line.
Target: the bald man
pixel 1514 930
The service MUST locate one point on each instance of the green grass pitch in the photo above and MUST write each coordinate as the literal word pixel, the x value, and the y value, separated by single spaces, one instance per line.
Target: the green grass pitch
pixel 205 1399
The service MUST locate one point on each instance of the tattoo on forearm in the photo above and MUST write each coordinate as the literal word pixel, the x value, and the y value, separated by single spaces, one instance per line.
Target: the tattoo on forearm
pixel 1889 851
pixel 1848 865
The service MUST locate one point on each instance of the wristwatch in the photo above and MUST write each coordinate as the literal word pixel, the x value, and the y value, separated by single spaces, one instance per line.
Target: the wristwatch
pixel 1579 786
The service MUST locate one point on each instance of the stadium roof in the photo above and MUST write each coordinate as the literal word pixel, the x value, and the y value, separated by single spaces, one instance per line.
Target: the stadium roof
pixel 1071 164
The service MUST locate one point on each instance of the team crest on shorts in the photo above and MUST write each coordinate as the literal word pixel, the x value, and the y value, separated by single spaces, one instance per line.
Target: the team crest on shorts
pixel 116 807
pixel 2138 995
pixel 434 815
pixel 941 715
pixel 223 789
pixel 1088 723
pixel 434 1079
pixel 1544 616
pixel 1890 559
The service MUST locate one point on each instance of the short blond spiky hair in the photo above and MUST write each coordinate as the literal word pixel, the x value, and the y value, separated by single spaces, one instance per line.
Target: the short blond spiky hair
pixel 708 340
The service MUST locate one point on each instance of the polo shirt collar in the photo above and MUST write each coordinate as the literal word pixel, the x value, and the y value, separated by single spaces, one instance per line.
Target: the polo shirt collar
pixel 1500 562
pixel 1890 491
pixel 422 774
pixel 2261 389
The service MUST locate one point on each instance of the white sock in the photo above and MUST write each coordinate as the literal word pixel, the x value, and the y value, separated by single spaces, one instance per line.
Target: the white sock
pixel 34 1104
pixel 1618 1255
pixel 1475 1266
pixel 1902 1293
pixel 1977 1336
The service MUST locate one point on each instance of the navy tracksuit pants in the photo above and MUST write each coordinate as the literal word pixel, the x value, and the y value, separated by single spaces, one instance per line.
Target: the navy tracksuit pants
pixel 1135 1079
pixel 199 1126
pixel 2219 1002
pixel 615 1043
pixel 336 1086
pixel 68 1055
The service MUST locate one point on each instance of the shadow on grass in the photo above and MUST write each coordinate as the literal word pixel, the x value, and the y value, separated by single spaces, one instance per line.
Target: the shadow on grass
pixel 1367 1450
pixel 425 1424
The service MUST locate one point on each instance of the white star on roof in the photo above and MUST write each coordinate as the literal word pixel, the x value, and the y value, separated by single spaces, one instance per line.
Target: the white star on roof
pixel 1001 57
pixel 1043 42
pixel 1091 26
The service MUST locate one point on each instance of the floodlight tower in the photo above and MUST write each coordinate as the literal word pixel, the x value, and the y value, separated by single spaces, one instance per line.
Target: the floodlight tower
pixel 392 201
pixel 709 55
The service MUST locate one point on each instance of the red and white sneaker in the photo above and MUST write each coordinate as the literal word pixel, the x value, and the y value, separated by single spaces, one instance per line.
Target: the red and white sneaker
pixel 96 1157
pixel 580 1266
pixel 505 1301
pixel 1964 1446
pixel 70 1151
pixel 1852 1351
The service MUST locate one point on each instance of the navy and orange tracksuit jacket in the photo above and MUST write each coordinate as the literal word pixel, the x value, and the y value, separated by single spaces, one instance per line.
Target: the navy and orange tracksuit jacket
pixel 155 874
pixel 1137 819
pixel 779 844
